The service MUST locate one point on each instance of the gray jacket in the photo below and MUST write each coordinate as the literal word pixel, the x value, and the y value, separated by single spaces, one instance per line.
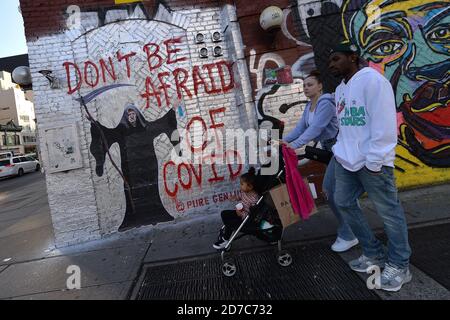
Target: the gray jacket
pixel 323 128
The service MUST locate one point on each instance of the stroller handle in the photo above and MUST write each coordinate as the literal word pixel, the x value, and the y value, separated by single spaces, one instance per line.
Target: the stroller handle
pixel 280 173
pixel 259 200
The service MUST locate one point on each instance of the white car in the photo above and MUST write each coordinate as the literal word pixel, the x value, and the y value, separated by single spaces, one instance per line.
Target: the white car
pixel 6 155
pixel 18 165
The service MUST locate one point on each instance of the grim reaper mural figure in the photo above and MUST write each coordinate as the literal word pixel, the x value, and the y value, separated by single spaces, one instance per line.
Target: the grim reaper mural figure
pixel 139 163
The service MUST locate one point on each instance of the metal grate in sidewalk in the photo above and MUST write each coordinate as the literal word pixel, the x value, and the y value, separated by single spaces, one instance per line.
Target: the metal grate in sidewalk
pixel 316 273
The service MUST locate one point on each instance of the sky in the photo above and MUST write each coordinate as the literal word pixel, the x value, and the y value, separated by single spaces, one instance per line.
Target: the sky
pixel 12 34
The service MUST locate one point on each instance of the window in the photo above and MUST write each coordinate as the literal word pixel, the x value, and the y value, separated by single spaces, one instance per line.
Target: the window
pixel 28 139
pixel 16 160
pixel 23 159
pixel 25 118
pixel 4 162
pixel 16 139
pixel 29 158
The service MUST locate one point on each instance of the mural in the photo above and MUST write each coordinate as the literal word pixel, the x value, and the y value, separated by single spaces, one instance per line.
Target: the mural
pixel 278 87
pixel 137 87
pixel 135 137
pixel 279 69
pixel 278 62
pixel 409 42
pixel 133 69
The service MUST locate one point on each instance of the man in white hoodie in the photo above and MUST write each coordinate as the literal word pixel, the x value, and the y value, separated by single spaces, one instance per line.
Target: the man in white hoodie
pixel 364 155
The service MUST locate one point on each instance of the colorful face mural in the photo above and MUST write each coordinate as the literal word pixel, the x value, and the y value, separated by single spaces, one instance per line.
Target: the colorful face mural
pixel 409 42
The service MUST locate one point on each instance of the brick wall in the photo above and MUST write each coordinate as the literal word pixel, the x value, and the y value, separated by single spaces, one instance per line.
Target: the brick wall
pixel 87 203
pixel 256 82
pixel 264 50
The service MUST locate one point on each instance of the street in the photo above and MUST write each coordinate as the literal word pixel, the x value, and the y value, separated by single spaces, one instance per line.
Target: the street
pixel 25 223
pixel 32 268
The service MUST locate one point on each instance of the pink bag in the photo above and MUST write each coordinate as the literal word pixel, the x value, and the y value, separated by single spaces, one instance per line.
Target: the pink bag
pixel 301 198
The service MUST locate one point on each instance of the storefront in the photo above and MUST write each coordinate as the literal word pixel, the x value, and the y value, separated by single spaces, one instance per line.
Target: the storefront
pixel 10 138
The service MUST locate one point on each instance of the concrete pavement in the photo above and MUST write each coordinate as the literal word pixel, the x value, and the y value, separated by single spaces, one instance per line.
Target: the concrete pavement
pixel 25 225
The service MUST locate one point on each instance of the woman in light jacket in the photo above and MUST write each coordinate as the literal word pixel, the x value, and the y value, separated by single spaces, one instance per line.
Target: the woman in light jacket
pixel 319 123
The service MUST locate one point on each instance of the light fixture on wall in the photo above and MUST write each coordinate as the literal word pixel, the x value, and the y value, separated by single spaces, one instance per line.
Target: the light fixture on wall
pixel 271 18
pixel 203 53
pixel 199 38
pixel 216 36
pixel 218 51
pixel 22 76
pixel 54 82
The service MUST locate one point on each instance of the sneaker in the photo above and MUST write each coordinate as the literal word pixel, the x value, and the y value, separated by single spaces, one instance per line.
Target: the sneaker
pixel 220 244
pixel 393 278
pixel 341 245
pixel 265 225
pixel 363 263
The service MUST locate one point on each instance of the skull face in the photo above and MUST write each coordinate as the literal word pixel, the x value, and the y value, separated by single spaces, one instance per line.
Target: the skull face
pixel 132 117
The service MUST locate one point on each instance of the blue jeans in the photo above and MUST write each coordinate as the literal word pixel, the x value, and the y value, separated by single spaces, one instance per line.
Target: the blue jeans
pixel 329 186
pixel 382 191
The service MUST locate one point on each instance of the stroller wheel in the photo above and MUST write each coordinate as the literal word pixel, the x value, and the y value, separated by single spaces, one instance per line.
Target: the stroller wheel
pixel 284 258
pixel 229 268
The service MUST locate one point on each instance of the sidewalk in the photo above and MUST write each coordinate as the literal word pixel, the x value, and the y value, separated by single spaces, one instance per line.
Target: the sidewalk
pixel 114 268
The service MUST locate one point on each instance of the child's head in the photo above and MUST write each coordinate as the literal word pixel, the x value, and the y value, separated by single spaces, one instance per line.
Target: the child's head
pixel 248 180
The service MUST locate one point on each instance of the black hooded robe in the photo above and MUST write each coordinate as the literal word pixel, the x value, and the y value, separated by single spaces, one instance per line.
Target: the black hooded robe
pixel 139 164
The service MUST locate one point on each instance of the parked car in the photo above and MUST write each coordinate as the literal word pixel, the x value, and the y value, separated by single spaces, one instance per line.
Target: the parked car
pixel 6 155
pixel 18 165
pixel 32 155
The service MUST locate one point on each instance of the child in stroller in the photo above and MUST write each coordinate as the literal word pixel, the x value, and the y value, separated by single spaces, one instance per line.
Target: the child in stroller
pixel 232 219
pixel 263 221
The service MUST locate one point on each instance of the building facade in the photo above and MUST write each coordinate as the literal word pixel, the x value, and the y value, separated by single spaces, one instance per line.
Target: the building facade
pixel 113 79
pixel 16 117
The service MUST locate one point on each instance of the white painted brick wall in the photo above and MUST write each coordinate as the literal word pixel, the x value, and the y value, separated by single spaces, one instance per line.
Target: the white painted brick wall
pixel 83 206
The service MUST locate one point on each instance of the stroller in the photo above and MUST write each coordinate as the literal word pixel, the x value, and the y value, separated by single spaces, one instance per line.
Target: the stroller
pixel 263 210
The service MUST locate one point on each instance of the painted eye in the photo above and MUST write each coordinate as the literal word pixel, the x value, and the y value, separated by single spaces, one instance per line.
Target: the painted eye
pixel 387 48
pixel 439 34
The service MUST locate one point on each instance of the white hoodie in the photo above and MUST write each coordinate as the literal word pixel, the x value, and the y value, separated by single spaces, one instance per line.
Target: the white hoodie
pixel 365 108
